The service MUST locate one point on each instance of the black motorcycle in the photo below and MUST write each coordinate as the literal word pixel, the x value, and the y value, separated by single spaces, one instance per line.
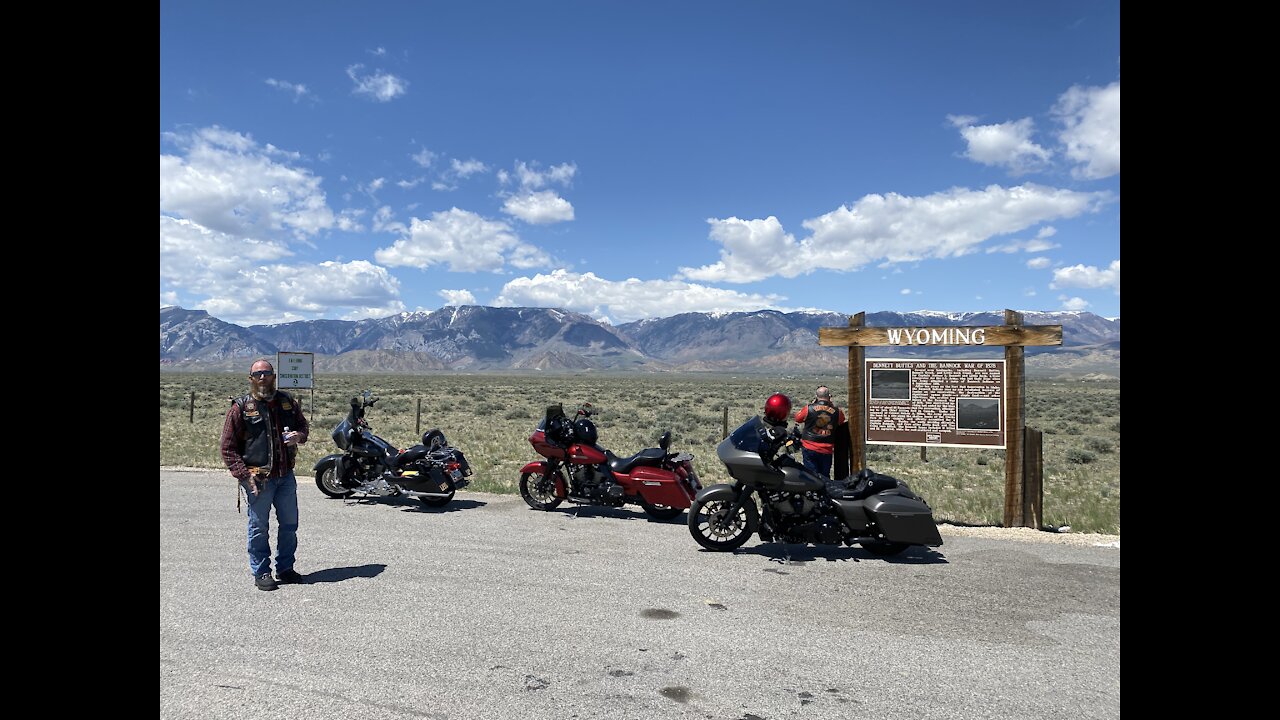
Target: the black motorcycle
pixel 431 472
pixel 876 511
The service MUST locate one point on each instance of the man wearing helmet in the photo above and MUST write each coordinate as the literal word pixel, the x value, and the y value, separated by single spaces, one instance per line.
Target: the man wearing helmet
pixel 820 419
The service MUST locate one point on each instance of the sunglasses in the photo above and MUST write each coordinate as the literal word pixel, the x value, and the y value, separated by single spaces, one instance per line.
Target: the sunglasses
pixel 263 373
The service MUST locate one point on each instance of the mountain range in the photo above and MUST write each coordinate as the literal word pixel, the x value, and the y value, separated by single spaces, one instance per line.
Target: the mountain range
pixel 480 338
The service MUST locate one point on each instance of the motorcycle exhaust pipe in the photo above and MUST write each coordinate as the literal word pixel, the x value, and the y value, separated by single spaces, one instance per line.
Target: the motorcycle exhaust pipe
pixel 415 494
pixel 859 540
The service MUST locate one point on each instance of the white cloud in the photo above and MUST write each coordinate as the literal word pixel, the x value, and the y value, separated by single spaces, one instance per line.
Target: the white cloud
pixel 1007 145
pixel 227 182
pixel 529 177
pixel 298 91
pixel 245 283
pixel 1091 129
pixel 409 184
pixel 1082 276
pixel 528 201
pixel 384 220
pixel 457 297
pixel 349 220
pixel 1038 263
pixel 467 168
pixel 904 291
pixel 539 208
pixel 752 250
pixel 626 300
pixel 383 87
pixel 424 158
pixel 1039 244
pixel 465 241
pixel 888 228
pixel 1073 303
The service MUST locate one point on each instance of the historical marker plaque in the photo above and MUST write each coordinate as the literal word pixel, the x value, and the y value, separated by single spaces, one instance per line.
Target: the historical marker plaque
pixel 948 403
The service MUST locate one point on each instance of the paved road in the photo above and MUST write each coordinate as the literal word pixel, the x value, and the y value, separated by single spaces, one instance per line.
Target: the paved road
pixel 487 609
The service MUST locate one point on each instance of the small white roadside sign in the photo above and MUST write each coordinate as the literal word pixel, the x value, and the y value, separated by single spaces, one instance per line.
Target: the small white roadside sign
pixel 294 370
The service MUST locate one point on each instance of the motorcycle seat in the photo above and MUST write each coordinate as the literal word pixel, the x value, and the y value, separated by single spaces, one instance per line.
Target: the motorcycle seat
pixel 414 453
pixel 861 486
pixel 649 457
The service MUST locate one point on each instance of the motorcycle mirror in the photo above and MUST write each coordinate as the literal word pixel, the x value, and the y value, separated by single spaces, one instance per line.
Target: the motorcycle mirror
pixel 665 442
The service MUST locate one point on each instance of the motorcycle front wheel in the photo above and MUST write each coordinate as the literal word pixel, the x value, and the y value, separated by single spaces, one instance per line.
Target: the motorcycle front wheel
pixel 658 512
pixel 539 491
pixel 327 481
pixel 715 529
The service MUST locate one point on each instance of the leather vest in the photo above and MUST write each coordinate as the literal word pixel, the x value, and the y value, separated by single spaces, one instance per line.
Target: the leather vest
pixel 261 438
pixel 819 422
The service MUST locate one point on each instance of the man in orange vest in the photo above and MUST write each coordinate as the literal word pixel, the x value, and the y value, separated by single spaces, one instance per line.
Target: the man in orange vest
pixel 820 419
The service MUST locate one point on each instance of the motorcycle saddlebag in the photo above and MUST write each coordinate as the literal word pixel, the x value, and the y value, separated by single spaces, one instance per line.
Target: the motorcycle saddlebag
pixel 432 480
pixel 661 487
pixel 905 520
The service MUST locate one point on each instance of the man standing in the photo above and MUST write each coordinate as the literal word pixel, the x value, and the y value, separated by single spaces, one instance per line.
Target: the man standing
pixel 820 418
pixel 260 439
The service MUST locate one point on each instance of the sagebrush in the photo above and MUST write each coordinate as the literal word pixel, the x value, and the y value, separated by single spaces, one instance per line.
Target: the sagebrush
pixel 491 416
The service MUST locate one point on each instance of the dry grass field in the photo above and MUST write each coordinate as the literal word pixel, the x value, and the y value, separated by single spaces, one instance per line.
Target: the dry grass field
pixel 491 416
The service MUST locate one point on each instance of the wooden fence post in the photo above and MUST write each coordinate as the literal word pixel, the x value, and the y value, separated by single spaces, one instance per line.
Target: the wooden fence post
pixel 726 423
pixel 1033 474
pixel 417 424
pixel 193 407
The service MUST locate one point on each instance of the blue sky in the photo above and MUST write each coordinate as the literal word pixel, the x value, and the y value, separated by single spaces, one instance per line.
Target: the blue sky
pixel 632 160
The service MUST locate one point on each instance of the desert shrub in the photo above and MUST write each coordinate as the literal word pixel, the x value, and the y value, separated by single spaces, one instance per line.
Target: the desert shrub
pixel 1098 445
pixel 1080 457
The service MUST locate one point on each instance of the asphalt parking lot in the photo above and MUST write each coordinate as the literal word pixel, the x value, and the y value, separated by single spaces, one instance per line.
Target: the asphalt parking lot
pixel 488 609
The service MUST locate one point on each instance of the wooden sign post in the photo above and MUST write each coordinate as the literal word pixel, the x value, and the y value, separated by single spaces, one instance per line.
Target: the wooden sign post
pixel 1023 504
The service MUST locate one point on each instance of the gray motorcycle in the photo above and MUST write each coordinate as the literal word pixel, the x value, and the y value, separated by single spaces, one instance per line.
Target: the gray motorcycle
pixel 876 511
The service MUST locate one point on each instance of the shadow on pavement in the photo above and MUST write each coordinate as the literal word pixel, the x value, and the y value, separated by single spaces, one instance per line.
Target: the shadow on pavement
pixel 794 554
pixel 622 513
pixel 333 575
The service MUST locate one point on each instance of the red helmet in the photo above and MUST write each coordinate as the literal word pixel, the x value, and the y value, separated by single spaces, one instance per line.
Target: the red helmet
pixel 777 409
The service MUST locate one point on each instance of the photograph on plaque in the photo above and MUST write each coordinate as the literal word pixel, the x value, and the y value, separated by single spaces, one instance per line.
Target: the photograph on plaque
pixel 977 413
pixel 890 384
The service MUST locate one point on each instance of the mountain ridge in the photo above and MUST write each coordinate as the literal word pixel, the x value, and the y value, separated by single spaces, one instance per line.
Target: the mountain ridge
pixel 477 338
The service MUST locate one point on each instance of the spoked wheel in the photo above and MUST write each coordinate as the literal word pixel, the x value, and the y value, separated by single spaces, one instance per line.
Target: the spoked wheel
pixel 539 491
pixel 437 502
pixel 658 512
pixel 715 529
pixel 885 548
pixel 328 483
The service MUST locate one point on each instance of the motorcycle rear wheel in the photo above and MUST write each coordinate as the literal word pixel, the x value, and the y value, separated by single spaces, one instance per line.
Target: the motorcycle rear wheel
pixel 658 512
pixel 327 481
pixel 437 502
pixel 539 491
pixel 713 531
pixel 885 549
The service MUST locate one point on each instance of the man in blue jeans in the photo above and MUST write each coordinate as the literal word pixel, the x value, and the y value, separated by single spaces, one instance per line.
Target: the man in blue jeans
pixel 260 439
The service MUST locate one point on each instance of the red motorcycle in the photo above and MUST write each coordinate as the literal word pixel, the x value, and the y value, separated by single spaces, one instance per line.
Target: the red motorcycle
pixel 580 471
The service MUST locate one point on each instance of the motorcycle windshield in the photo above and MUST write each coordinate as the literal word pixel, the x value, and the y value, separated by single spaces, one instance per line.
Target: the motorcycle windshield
pixel 747 437
pixel 342 435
